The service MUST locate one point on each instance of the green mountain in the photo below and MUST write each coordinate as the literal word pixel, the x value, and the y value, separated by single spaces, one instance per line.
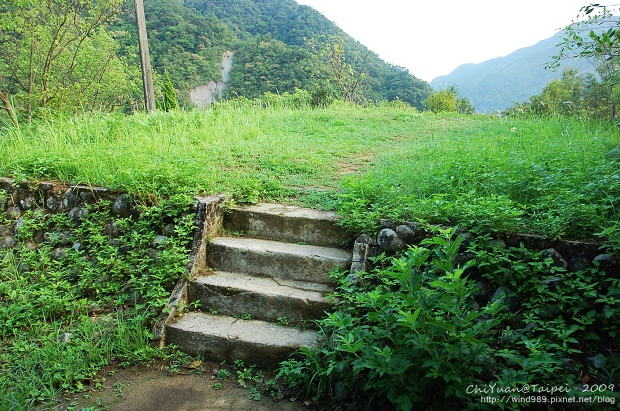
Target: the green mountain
pixel 498 83
pixel 278 46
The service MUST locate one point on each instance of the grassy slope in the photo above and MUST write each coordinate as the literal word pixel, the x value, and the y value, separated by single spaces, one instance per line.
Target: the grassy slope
pixel 551 176
pixel 548 175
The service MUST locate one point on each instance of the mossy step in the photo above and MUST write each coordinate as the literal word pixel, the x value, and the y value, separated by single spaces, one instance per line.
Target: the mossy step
pixel 269 299
pixel 275 259
pixel 288 223
pixel 223 338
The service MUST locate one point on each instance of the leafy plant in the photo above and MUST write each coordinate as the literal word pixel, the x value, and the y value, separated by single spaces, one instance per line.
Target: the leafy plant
pixel 406 333
pixel 417 331
pixel 250 378
pixel 80 299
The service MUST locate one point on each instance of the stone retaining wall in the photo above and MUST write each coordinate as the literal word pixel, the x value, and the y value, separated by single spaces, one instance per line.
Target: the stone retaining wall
pixel 393 236
pixel 54 197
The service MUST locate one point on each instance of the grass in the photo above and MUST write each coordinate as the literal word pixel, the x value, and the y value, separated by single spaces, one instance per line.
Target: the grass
pixel 251 152
pixel 64 318
pixel 254 153
pixel 553 176
pixel 547 175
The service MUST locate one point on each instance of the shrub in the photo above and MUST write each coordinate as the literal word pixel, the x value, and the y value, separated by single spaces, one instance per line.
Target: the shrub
pixel 405 332
pixel 297 100
pixel 419 332
pixel 441 101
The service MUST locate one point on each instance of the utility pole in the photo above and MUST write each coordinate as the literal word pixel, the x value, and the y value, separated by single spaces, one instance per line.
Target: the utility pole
pixel 147 74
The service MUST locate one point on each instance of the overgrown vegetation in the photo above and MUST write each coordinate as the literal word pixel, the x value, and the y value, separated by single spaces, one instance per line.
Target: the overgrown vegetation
pixel 557 177
pixel 553 176
pixel 449 100
pixel 420 332
pixel 572 95
pixel 416 332
pixel 74 297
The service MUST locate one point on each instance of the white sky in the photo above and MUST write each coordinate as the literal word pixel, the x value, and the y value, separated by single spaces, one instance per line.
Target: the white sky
pixel 433 38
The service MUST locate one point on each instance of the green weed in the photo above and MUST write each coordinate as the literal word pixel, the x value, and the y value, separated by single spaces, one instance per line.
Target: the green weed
pixel 416 331
pixel 70 313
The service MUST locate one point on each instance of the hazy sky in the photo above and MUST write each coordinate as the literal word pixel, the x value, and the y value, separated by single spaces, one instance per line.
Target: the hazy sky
pixel 433 38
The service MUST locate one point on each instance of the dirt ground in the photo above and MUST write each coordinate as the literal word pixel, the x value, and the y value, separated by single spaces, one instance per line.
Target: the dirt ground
pixel 156 389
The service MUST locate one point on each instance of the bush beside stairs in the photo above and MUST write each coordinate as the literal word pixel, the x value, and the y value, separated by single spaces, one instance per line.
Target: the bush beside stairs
pixel 266 281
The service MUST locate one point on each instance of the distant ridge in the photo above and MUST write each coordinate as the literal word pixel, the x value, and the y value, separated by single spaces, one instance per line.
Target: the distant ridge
pixel 498 83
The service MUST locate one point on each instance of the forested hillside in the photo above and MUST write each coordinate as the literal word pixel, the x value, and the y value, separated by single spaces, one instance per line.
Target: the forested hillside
pixel 499 83
pixel 279 45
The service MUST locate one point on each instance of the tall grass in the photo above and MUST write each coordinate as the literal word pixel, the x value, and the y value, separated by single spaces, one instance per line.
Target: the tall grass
pixel 553 176
pixel 249 151
pixel 549 175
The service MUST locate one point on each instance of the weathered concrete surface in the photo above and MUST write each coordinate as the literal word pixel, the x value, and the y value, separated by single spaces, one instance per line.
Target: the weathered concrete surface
pixel 264 298
pixel 221 338
pixel 288 223
pixel 275 259
pixel 265 279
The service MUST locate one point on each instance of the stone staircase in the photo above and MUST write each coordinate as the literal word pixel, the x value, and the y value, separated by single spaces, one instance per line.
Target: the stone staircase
pixel 266 280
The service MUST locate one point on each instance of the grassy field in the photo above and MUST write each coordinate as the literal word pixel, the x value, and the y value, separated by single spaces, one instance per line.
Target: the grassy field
pixel 551 176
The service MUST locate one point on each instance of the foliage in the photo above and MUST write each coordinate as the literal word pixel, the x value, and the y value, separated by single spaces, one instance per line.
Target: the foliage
pixel 296 28
pixel 89 65
pixel 417 331
pixel 556 176
pixel 298 100
pixel 267 65
pixel 595 36
pixel 182 42
pixel 441 101
pixel 345 77
pixel 401 85
pixel 541 176
pixel 57 55
pixel 448 100
pixel 169 100
pixel 322 95
pixel 81 299
pixel 573 95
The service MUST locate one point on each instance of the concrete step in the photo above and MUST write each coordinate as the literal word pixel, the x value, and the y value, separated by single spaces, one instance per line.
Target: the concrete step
pixel 219 338
pixel 263 298
pixel 274 259
pixel 287 223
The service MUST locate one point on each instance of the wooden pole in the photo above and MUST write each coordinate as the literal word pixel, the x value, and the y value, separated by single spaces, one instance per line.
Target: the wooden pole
pixel 147 74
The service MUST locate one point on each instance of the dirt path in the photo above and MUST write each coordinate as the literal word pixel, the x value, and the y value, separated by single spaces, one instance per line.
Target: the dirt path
pixel 148 389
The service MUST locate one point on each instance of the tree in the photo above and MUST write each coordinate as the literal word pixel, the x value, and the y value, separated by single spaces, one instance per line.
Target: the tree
pixel 45 45
pixel 449 100
pixel 441 101
pixel 169 101
pixel 400 84
pixel 267 65
pixel 6 102
pixel 562 96
pixel 346 73
pixel 596 36
pixel 572 95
